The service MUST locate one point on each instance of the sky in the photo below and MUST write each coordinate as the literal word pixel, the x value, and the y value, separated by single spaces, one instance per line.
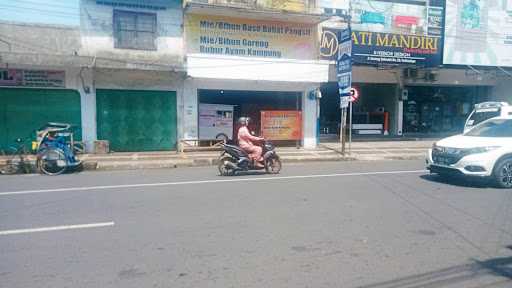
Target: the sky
pixel 60 12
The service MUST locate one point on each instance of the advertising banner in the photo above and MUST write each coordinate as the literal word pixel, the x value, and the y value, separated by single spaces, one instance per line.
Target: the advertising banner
pixel 32 78
pixel 281 125
pixel 250 38
pixel 389 17
pixel 385 48
pixel 385 32
pixel 478 32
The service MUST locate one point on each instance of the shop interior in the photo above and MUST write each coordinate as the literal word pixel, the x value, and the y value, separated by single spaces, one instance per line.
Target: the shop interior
pixel 251 103
pixel 440 110
pixel 373 112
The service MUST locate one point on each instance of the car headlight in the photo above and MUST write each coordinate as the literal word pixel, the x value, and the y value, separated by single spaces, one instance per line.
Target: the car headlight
pixel 478 150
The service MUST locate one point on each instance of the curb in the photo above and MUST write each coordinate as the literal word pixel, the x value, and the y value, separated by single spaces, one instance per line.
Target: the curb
pixel 95 165
pixel 202 162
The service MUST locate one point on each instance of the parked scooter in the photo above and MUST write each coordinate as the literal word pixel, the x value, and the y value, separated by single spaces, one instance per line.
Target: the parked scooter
pixel 233 159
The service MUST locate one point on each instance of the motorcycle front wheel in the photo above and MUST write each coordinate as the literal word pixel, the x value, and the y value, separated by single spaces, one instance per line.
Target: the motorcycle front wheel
pixel 273 165
pixel 224 166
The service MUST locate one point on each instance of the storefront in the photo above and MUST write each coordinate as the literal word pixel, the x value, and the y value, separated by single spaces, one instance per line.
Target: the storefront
pixel 137 120
pixel 440 109
pixel 244 104
pixel 30 98
pixel 137 110
pixel 431 102
pixel 252 66
pixel 374 111
pixel 394 46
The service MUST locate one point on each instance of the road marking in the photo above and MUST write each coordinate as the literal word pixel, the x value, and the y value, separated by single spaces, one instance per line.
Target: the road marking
pixel 160 184
pixel 56 228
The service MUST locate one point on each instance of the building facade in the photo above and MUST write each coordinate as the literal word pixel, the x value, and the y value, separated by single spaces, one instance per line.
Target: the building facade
pixel 146 74
pixel 140 72
pixel 117 77
pixel 40 79
pixel 136 74
pixel 402 73
pixel 253 56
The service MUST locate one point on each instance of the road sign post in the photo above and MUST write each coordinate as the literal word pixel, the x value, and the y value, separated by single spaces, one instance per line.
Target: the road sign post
pixel 344 75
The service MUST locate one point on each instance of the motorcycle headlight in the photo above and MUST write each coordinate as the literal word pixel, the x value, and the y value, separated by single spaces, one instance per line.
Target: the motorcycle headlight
pixel 478 150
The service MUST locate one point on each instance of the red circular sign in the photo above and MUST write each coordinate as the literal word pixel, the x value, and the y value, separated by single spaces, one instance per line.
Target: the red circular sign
pixel 354 94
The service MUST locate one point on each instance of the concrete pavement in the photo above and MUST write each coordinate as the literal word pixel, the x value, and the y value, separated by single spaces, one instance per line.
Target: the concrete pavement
pixel 373 224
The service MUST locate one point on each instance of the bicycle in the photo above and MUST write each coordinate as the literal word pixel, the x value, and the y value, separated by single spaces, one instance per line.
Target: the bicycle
pixel 17 164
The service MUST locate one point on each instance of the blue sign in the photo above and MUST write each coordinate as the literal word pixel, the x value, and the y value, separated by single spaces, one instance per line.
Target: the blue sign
pixel 344 66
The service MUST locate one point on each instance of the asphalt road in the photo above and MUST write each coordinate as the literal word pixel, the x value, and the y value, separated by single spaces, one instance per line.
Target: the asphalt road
pixel 352 224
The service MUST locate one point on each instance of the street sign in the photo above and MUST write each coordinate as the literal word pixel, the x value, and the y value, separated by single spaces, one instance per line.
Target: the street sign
pixel 344 101
pixel 354 94
pixel 344 67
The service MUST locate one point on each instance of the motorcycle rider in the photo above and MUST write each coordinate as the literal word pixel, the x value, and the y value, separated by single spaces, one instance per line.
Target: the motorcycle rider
pixel 246 141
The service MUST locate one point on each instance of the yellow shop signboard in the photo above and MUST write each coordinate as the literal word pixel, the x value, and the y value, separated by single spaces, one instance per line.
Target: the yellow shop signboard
pixel 250 38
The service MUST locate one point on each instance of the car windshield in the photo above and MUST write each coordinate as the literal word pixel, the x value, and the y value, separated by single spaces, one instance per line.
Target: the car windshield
pixel 480 116
pixel 493 128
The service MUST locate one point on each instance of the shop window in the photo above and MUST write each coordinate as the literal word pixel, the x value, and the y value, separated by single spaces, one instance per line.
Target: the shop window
pixel 133 30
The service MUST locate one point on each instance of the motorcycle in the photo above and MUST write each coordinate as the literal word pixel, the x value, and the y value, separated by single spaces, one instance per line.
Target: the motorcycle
pixel 233 159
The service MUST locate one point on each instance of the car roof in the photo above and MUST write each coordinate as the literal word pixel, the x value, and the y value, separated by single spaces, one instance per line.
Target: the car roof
pixel 490 105
pixel 508 117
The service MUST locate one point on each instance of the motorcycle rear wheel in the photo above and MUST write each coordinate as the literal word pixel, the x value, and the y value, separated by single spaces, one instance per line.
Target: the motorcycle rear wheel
pixel 273 165
pixel 224 168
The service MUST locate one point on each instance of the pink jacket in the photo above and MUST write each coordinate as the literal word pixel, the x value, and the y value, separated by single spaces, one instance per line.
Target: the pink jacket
pixel 245 139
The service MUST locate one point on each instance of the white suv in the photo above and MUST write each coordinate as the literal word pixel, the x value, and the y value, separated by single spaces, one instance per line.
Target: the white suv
pixel 483 151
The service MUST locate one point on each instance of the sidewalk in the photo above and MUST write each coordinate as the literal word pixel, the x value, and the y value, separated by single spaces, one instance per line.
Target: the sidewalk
pixel 363 151
pixel 384 150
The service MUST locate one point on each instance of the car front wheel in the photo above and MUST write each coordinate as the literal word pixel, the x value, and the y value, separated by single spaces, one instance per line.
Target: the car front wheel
pixel 503 173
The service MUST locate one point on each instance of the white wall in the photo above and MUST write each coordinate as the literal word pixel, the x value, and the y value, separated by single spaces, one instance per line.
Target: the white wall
pixel 245 68
pixel 97 35
pixel 309 120
pixel 88 107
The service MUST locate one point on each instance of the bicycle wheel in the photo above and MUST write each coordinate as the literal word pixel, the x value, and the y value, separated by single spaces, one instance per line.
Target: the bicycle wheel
pixel 52 162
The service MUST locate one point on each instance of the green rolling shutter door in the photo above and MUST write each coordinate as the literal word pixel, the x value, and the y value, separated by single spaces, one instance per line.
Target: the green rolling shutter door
pixel 137 120
pixel 23 110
